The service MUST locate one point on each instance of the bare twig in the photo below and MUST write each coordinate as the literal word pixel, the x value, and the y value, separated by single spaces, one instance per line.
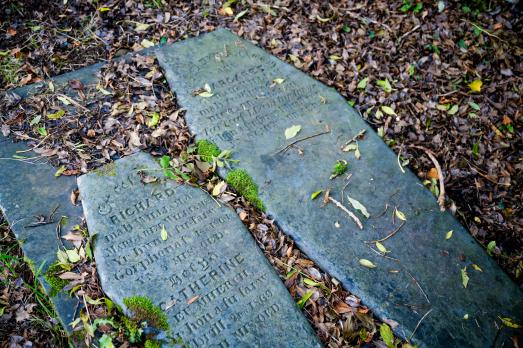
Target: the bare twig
pixel 419 322
pixel 408 33
pixel 342 207
pixel 419 286
pixel 302 139
pixel 396 230
pixel 345 186
pixel 441 197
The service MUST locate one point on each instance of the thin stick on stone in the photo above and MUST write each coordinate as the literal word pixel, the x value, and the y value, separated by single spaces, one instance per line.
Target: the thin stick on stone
pixel 419 322
pixel 353 217
pixel 441 197
pixel 345 186
pixel 387 236
pixel 354 138
pixel 302 139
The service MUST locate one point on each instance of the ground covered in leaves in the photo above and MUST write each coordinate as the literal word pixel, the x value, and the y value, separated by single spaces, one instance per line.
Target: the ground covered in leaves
pixel 439 75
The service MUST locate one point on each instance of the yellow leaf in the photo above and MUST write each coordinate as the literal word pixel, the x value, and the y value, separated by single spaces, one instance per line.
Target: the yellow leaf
pixel 381 247
pixel 367 263
pixel 291 132
pixel 104 9
pixel 400 215
pixel 141 26
pixel 510 323
pixel 278 81
pixel 163 233
pixel 57 115
pixel 475 86
pixel 449 234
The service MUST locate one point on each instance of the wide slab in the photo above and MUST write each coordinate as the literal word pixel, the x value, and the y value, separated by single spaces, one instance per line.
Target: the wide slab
pixel 28 189
pixel 248 113
pixel 207 255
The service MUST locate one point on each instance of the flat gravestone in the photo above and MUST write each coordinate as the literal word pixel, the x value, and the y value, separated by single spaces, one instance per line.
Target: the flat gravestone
pixel 208 256
pixel 249 112
pixel 29 189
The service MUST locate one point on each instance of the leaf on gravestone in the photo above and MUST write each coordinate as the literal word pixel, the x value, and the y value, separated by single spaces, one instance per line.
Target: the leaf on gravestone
pixel 358 206
pixel 388 110
pixel 292 131
pixel 207 92
pixel 453 110
pixel 363 83
pixel 357 153
pixel 367 263
pixel 386 335
pixel 385 85
pixel 476 267
pixel 475 86
pixel 57 115
pixel 510 323
pixel 141 27
pixel 193 299
pixel 464 277
pixel 315 195
pixel 163 233
pixel 449 234
pixel 466 317
pixel 278 81
pixel 400 215
pixel 219 188
pixel 72 255
pixel 146 43
pixel 59 171
pixel 382 248
pixel 350 147
pixel 491 246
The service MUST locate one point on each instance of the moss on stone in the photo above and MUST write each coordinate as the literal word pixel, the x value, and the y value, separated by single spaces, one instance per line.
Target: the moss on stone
pixel 53 280
pixel 242 182
pixel 339 168
pixel 143 309
pixel 152 344
pixel 207 150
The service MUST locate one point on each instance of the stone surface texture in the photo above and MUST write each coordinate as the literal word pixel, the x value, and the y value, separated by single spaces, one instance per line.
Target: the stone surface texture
pixel 248 113
pixel 206 257
pixel 29 189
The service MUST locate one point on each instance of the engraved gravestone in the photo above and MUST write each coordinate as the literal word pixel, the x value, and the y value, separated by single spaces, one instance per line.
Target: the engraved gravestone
pixel 208 275
pixel 419 283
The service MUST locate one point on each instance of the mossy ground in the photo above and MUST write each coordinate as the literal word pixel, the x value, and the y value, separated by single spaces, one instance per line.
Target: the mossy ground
pixel 207 150
pixel 242 182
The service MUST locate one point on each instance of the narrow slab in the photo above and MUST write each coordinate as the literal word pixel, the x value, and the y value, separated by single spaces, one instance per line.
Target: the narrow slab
pixel 207 255
pixel 29 189
pixel 249 112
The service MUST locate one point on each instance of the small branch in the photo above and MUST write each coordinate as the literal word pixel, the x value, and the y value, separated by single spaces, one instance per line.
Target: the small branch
pixel 408 33
pixel 388 235
pixel 345 186
pixel 441 198
pixel 353 217
pixel 485 31
pixel 354 138
pixel 302 139
pixel 419 322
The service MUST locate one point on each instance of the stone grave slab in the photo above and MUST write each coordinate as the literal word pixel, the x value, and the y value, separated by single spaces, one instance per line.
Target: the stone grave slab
pixel 208 255
pixel 28 188
pixel 248 113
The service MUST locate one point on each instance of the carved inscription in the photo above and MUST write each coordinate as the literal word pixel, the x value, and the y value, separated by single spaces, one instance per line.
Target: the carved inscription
pixel 246 102
pixel 208 275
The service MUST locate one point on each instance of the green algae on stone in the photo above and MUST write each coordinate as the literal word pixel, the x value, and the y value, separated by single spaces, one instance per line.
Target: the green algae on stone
pixel 207 150
pixel 143 309
pixel 242 182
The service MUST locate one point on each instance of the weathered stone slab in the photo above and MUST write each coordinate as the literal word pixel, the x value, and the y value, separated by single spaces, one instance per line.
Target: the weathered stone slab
pixel 248 114
pixel 29 189
pixel 207 253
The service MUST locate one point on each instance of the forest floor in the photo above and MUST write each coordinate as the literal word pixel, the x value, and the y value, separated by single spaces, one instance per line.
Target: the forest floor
pixel 449 74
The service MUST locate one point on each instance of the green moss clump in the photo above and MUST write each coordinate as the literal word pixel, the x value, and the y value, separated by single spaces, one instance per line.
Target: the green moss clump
pixel 132 330
pixel 207 150
pixel 53 280
pixel 242 182
pixel 339 168
pixel 143 309
pixel 152 344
